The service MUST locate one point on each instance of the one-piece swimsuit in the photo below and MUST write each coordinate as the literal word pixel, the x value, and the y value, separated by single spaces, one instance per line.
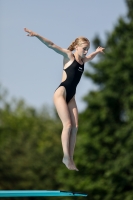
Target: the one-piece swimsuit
pixel 74 73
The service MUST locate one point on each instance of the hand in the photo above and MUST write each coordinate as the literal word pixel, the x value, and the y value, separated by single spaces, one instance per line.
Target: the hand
pixel 30 33
pixel 100 50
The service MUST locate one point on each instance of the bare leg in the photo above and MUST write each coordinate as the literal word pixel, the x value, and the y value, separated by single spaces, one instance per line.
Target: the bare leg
pixel 74 120
pixel 65 137
pixel 63 112
pixel 72 142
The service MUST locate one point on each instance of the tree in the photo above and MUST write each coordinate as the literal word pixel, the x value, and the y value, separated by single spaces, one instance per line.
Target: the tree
pixel 30 147
pixel 104 155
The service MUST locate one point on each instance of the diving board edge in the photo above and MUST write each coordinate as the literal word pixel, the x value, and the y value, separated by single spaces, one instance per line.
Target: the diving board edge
pixel 38 193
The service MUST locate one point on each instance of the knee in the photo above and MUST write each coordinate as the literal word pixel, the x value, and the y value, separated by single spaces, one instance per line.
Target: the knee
pixel 75 127
pixel 67 125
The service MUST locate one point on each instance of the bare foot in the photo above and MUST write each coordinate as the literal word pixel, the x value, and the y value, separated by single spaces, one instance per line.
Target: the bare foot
pixel 69 164
pixel 74 165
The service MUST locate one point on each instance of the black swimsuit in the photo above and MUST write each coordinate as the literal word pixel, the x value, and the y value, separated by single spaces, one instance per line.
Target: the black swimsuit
pixel 74 73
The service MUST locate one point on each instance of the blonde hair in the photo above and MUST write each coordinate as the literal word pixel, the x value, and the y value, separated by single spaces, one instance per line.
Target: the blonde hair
pixel 78 41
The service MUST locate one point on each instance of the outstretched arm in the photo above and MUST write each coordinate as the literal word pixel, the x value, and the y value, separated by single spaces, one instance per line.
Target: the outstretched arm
pixel 65 52
pixel 92 55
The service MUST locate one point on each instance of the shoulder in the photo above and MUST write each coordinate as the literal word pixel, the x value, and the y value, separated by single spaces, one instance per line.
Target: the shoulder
pixel 68 57
pixel 68 60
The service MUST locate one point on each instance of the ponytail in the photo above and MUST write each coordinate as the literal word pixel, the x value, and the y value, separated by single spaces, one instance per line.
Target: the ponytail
pixel 78 41
pixel 72 46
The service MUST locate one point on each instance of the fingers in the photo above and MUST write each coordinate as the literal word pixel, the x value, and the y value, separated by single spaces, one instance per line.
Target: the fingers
pixel 28 31
pixel 25 29
pixel 101 49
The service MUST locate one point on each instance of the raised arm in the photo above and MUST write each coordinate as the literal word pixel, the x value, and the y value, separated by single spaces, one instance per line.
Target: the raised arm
pixel 92 55
pixel 64 52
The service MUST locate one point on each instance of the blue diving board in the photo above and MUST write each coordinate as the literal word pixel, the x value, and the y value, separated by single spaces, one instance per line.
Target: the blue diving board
pixel 38 193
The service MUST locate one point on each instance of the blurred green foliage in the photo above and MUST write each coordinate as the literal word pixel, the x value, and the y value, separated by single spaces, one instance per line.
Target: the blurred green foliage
pixel 30 147
pixel 104 147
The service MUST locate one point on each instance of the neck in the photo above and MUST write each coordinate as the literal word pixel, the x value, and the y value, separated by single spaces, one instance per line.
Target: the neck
pixel 78 58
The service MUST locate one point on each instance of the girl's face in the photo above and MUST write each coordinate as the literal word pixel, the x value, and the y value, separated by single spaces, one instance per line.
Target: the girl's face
pixel 82 49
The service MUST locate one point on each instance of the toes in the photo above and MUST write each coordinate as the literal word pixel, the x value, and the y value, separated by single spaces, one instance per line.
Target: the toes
pixel 70 165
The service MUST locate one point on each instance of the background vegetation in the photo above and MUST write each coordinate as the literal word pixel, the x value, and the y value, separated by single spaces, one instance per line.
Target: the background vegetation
pixel 30 147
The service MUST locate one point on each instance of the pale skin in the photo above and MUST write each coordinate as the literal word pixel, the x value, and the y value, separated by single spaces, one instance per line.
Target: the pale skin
pixel 68 113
